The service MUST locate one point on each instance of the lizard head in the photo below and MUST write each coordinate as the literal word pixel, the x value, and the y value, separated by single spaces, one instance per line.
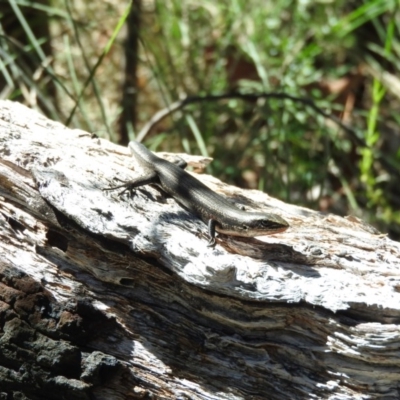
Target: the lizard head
pixel 255 224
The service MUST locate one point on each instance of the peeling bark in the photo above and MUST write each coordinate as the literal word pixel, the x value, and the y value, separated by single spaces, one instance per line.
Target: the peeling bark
pixel 110 297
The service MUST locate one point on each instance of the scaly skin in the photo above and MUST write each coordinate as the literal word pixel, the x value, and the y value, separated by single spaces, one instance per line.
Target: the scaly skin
pixel 215 210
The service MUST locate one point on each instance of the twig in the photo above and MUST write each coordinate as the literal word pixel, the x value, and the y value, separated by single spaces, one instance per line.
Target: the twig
pixel 354 134
pixel 177 105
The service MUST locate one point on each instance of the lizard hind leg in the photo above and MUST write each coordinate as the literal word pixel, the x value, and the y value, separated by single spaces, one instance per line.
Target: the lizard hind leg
pixel 211 233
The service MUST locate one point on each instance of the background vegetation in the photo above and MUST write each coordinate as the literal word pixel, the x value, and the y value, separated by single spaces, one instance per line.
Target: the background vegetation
pixel 108 67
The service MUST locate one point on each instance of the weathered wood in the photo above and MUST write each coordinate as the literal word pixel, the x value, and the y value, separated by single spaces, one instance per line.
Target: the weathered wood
pixel 108 297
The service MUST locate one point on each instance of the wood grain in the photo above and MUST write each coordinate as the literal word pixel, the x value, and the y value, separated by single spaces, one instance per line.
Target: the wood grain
pixel 111 297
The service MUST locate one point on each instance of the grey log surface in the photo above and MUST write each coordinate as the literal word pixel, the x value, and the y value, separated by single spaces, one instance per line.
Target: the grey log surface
pixel 106 297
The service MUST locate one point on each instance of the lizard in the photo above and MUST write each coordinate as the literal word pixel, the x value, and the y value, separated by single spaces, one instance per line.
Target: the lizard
pixel 216 211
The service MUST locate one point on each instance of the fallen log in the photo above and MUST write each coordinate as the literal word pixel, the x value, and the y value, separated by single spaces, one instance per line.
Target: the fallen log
pixel 109 297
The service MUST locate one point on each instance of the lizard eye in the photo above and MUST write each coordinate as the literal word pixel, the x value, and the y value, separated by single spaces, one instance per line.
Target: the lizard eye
pixel 245 227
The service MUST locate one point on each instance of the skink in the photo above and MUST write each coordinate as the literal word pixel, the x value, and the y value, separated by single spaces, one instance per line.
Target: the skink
pixel 215 210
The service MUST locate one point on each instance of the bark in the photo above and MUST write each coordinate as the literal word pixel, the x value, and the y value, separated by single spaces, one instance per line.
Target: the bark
pixel 109 297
